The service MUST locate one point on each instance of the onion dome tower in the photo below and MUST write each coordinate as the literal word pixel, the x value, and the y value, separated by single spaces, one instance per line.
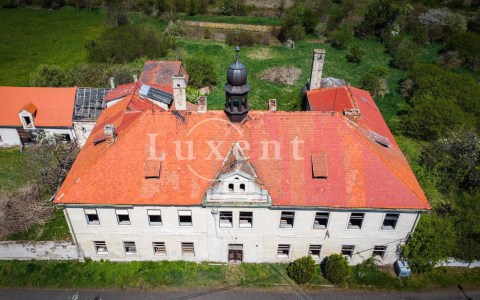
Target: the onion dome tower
pixel 236 91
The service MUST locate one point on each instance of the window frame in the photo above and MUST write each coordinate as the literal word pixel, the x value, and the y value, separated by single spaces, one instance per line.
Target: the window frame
pixel 132 245
pixel 225 225
pixel 383 227
pixel 292 217
pixel 183 245
pixel 385 247
pixel 354 227
pixel 315 219
pixel 282 255
pixel 97 245
pixel 94 223
pixel 185 213
pixel 240 219
pixel 123 223
pixel 352 250
pixel 159 244
pixel 319 246
pixel 154 212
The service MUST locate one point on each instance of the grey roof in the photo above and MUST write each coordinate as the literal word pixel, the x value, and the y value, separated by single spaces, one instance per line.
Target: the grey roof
pixel 155 94
pixel 89 103
pixel 332 82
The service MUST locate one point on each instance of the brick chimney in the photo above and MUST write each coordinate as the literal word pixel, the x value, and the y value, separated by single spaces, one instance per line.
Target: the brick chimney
pixel 135 77
pixel 112 83
pixel 179 92
pixel 317 68
pixel 202 104
pixel 272 105
pixel 110 133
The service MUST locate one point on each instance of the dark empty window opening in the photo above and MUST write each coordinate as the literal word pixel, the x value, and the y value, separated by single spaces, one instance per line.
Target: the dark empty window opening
pixel 66 137
pixel 130 247
pixel 242 187
pixel 154 218
pixel 321 220
pixel 246 219
pixel 226 219
pixel 28 121
pixel 230 187
pixel 347 250
pixel 185 217
pixel 123 217
pixel 1 140
pixel 92 217
pixel 379 251
pixel 286 219
pixel 356 220
pixel 390 221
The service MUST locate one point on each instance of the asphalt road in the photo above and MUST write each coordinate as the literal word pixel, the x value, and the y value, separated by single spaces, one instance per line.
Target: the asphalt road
pixel 283 293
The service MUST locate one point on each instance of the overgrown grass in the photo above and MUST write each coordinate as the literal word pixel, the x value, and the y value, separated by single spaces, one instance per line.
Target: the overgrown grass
pixel 31 37
pixel 54 230
pixel 233 19
pixel 13 170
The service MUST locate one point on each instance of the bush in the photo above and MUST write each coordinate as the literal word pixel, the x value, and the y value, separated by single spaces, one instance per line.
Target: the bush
pixel 341 37
pixel 297 21
pixel 201 71
pixel 405 55
pixel 451 60
pixel 127 43
pixel 443 16
pixel 175 28
pixel 49 76
pixel 374 81
pixel 241 38
pixel 336 268
pixel 356 54
pixel 302 270
pixel 282 75
pixel 467 44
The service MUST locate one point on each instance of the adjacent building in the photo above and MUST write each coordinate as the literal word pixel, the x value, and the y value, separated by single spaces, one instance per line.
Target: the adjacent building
pixel 242 185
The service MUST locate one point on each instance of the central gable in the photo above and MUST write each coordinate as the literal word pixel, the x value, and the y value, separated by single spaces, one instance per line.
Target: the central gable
pixel 236 182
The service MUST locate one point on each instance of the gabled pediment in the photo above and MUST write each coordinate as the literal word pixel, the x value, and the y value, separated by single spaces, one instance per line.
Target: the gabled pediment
pixel 237 182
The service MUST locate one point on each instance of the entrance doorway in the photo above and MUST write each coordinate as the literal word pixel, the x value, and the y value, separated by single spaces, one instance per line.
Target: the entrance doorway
pixel 235 253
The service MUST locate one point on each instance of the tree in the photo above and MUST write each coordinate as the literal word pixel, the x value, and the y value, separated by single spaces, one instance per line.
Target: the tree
pixel 297 21
pixel 336 268
pixel 467 226
pixel 201 71
pixel 374 81
pixel 432 242
pixel 302 270
pixel 381 19
pixel 356 54
pixel 341 37
pixel 127 43
pixel 49 76
pixel 116 15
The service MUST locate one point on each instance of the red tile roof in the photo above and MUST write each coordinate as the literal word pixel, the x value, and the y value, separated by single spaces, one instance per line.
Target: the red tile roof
pixel 361 173
pixel 54 106
pixel 31 108
pixel 161 72
pixel 121 91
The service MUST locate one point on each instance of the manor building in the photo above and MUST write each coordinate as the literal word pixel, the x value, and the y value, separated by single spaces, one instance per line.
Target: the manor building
pixel 241 185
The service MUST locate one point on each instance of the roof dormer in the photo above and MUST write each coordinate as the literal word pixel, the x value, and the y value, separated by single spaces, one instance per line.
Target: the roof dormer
pixel 27 116
pixel 236 182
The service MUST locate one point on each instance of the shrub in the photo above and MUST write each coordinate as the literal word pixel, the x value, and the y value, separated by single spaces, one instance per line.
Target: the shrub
pixel 282 75
pixel 405 55
pixel 467 44
pixel 374 81
pixel 175 28
pixel 336 268
pixel 473 24
pixel 127 43
pixel 297 21
pixel 341 37
pixel 451 60
pixel 302 270
pixel 201 71
pixel 49 76
pixel 443 16
pixel 356 54
pixel 241 38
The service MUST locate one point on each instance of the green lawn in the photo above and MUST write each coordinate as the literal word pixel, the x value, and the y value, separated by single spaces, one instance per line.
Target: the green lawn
pixel 31 37
pixel 145 275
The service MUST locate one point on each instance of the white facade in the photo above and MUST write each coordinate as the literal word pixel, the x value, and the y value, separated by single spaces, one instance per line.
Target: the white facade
pixel 9 137
pixel 211 240
pixel 82 131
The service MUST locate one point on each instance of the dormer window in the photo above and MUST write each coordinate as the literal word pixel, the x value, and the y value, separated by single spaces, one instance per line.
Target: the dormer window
pixel 27 121
pixel 27 114
pixel 242 187
pixel 231 187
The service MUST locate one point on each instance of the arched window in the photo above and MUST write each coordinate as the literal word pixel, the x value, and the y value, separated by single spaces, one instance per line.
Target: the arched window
pixel 242 187
pixel 230 187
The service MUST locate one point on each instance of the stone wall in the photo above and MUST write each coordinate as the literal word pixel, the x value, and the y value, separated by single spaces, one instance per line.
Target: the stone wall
pixel 38 250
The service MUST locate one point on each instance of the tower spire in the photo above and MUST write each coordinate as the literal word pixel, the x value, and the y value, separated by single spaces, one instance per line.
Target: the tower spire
pixel 236 91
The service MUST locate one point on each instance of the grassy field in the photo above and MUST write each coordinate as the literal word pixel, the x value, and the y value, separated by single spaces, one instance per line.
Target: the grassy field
pixel 147 275
pixel 31 37
pixel 233 19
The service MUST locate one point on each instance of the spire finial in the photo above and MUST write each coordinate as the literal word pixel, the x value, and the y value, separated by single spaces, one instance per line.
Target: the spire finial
pixel 237 49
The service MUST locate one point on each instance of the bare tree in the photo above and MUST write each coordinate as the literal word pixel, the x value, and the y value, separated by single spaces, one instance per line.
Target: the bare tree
pixel 283 75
